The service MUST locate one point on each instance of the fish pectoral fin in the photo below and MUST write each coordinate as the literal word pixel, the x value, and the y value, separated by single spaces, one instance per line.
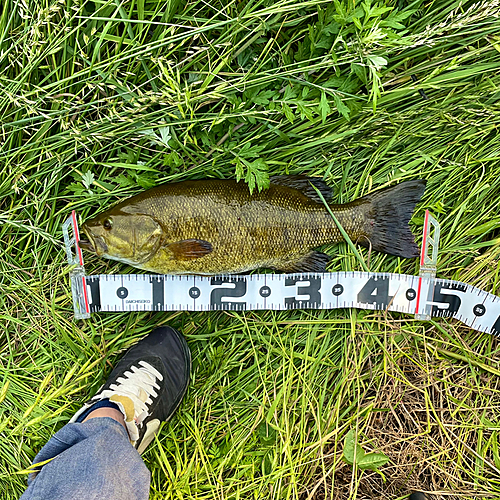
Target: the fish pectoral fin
pixel 313 262
pixel 305 185
pixel 190 249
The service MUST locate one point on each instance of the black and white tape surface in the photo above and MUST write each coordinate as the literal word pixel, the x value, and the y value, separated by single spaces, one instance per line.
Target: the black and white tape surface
pixel 423 296
pixel 378 291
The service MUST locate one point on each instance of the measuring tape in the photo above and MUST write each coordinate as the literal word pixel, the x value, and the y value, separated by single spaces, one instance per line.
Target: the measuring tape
pixel 423 296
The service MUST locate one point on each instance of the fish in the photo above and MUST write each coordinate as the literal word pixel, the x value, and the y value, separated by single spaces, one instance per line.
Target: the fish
pixel 213 227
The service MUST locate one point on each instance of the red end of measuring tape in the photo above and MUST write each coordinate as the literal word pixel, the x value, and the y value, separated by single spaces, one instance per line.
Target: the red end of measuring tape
pixel 85 297
pixel 77 237
pixel 424 241
pixel 422 260
pixel 78 273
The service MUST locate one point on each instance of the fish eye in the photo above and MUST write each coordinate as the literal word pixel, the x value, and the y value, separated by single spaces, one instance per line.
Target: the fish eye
pixel 107 224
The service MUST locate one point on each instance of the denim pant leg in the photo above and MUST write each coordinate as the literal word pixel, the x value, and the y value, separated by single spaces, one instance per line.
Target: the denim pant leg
pixel 93 460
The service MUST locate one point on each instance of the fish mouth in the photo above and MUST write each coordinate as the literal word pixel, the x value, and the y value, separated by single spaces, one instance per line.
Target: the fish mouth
pixel 94 244
pixel 85 243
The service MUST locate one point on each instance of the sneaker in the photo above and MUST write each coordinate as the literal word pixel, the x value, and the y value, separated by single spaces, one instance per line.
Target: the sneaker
pixel 147 384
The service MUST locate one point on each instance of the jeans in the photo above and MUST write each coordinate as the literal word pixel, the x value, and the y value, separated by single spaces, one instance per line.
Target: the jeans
pixel 93 460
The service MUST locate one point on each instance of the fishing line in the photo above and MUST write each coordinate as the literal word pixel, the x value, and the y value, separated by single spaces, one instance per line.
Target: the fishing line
pixel 424 296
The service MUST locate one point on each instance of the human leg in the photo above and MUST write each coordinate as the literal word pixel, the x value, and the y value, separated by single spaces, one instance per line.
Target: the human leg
pixel 91 460
pixel 98 456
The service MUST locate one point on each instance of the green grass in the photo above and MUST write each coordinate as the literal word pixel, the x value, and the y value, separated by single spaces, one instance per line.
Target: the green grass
pixel 248 89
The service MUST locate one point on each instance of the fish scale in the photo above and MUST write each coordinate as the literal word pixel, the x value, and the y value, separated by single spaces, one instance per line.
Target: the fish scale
pixel 255 226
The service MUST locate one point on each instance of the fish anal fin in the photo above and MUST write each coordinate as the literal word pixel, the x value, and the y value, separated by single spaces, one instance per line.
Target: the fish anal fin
pixel 190 249
pixel 313 262
pixel 303 183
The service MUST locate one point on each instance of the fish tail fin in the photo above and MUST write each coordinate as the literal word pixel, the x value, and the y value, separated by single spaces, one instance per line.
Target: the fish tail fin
pixel 387 213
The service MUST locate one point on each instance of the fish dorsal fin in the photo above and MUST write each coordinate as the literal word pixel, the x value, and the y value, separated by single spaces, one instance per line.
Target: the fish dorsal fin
pixel 303 183
pixel 190 249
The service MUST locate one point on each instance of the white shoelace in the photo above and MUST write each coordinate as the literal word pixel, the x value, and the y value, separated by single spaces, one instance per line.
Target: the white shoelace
pixel 138 384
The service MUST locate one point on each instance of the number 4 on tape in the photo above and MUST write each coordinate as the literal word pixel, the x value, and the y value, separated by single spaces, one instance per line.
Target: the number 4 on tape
pixel 423 295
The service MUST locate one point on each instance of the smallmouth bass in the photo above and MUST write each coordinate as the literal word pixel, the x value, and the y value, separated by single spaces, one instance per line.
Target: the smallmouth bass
pixel 211 227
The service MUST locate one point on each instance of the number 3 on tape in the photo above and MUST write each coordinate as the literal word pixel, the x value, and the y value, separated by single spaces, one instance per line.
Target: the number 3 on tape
pixel 423 295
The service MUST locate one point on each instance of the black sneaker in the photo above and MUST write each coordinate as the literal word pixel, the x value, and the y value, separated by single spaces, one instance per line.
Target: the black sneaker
pixel 147 384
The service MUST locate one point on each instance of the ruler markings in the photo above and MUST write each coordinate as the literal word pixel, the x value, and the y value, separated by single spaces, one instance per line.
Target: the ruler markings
pixel 372 291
